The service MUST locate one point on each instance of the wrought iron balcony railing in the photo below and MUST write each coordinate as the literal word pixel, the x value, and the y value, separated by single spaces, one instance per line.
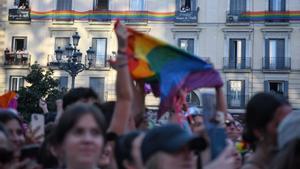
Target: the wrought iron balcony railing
pixel 276 63
pixel 236 101
pixel 237 63
pixel 17 58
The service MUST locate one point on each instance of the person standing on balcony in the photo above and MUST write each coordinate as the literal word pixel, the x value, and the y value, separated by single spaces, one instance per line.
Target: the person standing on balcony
pixel 24 55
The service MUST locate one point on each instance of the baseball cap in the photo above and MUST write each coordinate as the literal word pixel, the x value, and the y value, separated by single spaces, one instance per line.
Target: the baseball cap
pixel 169 138
pixel 123 147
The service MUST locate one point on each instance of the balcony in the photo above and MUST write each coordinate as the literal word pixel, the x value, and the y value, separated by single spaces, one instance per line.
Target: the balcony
pixel 17 59
pixel 98 15
pixel 236 101
pixel 277 18
pixel 19 15
pixel 186 16
pixel 276 64
pixel 236 65
pixel 236 17
pixel 96 64
pixel 137 17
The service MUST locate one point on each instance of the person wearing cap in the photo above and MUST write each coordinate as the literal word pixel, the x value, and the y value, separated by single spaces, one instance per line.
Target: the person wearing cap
pixel 196 121
pixel 170 146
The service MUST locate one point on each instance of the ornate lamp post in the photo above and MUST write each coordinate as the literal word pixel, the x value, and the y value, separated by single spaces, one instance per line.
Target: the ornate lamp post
pixel 73 64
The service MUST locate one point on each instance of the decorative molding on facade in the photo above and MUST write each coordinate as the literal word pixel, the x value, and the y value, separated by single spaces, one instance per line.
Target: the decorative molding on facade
pixel 245 32
pixel 186 30
pixel 56 30
pixel 282 32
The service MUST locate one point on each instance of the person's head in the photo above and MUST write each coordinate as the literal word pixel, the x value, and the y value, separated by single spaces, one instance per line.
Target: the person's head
pixel 170 146
pixel 123 150
pixel 196 121
pixel 6 152
pixel 79 135
pixel 264 112
pixel 231 128
pixel 14 127
pixel 82 94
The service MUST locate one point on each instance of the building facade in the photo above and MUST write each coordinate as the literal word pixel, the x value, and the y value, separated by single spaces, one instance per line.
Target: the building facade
pixel 253 43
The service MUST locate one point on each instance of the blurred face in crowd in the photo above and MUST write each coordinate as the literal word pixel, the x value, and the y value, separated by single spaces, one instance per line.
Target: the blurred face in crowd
pixel 183 159
pixel 106 156
pixel 16 135
pixel 280 114
pixel 83 144
pixel 198 125
pixel 231 128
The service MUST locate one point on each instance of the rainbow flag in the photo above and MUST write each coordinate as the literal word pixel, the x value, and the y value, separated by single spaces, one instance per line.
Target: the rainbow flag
pixel 155 61
pixel 8 100
pixel 91 15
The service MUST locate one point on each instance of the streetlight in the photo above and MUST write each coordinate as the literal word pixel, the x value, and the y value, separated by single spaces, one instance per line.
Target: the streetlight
pixel 73 63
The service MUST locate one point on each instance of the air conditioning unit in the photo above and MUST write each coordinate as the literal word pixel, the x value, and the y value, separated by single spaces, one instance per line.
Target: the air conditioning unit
pixel 232 18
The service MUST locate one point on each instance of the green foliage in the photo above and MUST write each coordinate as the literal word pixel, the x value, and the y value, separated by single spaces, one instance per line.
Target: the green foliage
pixel 42 85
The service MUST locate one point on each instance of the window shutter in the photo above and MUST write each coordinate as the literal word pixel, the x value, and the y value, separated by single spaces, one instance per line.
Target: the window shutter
pixel 280 52
pixel 243 94
pixel 63 82
pixel 228 93
pixel 267 53
pixel 244 59
pixel 232 54
pixel 191 46
pixel 286 89
pixel 21 83
pixel 283 4
pixel 266 86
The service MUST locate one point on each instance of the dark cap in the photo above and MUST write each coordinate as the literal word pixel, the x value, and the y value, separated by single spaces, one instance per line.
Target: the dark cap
pixel 169 138
pixel 123 148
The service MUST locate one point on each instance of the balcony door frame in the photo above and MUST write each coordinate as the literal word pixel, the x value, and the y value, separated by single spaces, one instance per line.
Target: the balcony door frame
pixel 248 5
pixel 273 33
pixel 231 33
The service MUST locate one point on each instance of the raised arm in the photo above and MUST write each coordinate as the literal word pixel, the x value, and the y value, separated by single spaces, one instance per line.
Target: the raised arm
pixel 124 90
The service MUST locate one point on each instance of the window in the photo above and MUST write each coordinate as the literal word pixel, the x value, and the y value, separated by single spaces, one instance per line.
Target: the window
pixel 97 84
pixel 15 83
pixel 22 3
pixel 100 45
pixel 275 53
pixel 276 5
pixel 137 5
pixel 192 99
pixel 62 42
pixel 185 5
pixel 236 93
pixel 237 6
pixel 237 54
pixel 101 4
pixel 277 87
pixel 63 83
pixel 187 45
pixel 64 5
pixel 19 43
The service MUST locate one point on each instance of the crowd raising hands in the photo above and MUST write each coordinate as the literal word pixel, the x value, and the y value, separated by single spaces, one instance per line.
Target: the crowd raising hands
pixel 87 134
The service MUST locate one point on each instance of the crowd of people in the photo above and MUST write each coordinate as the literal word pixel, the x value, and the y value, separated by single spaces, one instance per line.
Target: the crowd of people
pixel 87 134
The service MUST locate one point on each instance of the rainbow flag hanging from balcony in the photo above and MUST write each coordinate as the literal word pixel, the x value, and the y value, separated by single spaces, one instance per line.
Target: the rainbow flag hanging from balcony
pixel 155 62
